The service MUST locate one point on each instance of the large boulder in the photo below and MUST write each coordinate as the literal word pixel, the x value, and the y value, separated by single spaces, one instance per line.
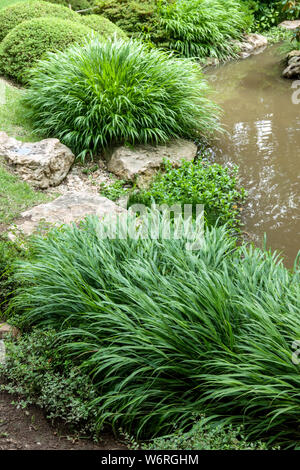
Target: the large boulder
pixel 142 161
pixel 292 70
pixel 42 164
pixel 251 44
pixel 71 207
pixel 290 25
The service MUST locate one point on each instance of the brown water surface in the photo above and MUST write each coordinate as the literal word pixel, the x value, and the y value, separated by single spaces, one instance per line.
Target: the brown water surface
pixel 263 138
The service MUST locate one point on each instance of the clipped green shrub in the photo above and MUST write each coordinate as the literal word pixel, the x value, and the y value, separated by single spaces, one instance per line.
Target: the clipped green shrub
pixel 12 16
pixel 103 26
pixel 28 42
pixel 75 4
pixel 212 185
pixel 136 17
pixel 205 28
pixel 37 375
pixel 118 91
pixel 167 332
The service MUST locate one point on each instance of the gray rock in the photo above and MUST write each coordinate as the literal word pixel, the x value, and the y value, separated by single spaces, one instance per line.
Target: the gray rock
pixel 292 71
pixel 2 352
pixel 71 207
pixel 293 54
pixel 143 160
pixel 291 25
pixel 252 44
pixel 42 164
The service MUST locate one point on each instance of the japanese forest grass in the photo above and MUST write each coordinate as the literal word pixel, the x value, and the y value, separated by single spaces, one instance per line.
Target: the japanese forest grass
pixel 168 333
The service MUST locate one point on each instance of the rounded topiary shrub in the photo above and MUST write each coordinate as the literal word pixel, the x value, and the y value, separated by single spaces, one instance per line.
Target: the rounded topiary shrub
pixel 103 25
pixel 116 91
pixel 75 4
pixel 29 41
pixel 12 16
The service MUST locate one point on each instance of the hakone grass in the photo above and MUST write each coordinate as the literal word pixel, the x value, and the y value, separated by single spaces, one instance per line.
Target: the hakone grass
pixel 114 92
pixel 167 333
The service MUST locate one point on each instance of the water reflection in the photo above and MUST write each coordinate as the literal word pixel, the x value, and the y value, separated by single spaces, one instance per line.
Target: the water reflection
pixel 264 140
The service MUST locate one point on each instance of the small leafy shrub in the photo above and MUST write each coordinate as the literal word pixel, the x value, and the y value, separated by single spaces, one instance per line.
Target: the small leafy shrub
pixel 113 191
pixel 291 8
pixel 116 91
pixel 205 28
pixel 36 374
pixel 167 333
pixel 28 42
pixel 12 16
pixel 196 183
pixel 204 436
pixel 266 14
pixel 275 35
pixel 103 26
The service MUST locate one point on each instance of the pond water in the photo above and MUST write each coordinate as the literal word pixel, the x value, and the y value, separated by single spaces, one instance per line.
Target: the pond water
pixel 263 138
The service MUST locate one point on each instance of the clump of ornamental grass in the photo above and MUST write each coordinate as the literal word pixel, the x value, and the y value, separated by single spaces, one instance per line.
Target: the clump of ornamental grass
pixel 205 28
pixel 167 332
pixel 115 91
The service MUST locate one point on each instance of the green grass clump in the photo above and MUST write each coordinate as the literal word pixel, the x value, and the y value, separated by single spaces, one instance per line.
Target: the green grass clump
pixel 22 11
pixel 166 332
pixel 29 41
pixel 112 92
pixel 103 26
pixel 205 28
pixel 196 183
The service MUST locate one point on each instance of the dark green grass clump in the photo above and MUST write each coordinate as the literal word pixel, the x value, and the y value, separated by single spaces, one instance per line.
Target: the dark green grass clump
pixel 116 91
pixel 166 332
pixel 205 28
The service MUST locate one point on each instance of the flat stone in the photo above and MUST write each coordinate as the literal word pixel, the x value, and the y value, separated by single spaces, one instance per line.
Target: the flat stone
pixel 291 25
pixel 251 44
pixel 66 209
pixel 42 164
pixel 143 160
